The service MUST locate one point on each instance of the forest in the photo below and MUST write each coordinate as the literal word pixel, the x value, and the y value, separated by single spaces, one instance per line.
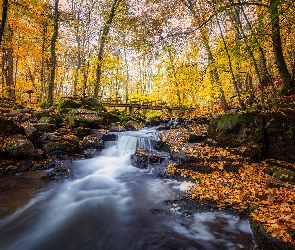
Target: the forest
pixel 209 166
pixel 207 54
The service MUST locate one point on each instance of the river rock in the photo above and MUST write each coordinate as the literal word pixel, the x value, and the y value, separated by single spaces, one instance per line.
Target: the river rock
pixel 20 147
pixel 155 121
pixel 162 146
pixel 45 127
pixel 109 137
pixel 194 138
pixel 117 128
pixel 30 131
pixel 54 143
pixel 143 158
pixel 280 135
pixel 8 126
pixel 236 130
pixel 91 141
pixel 132 125
pixel 80 131
pixel 90 119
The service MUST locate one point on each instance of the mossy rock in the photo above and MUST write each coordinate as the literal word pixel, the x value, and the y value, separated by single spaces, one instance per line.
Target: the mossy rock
pixel 81 131
pixel 237 130
pixel 285 175
pixel 19 147
pixel 84 118
pixel 132 125
pixel 65 105
pixel 92 104
pixel 265 240
pixel 280 130
pixel 8 127
pixel 45 127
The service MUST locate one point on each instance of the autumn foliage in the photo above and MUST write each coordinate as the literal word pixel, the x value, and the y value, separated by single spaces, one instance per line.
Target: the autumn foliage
pixel 245 186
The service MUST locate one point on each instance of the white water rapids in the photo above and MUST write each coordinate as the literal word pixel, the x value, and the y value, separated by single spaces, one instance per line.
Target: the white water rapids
pixel 107 206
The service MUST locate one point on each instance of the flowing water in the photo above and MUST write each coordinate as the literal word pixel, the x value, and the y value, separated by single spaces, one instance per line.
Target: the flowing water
pixel 111 205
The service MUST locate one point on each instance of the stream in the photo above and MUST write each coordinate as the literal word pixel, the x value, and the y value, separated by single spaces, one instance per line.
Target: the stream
pixel 111 205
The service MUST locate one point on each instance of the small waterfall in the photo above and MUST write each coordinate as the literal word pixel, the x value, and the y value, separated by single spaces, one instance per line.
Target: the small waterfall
pixel 144 143
pixel 126 145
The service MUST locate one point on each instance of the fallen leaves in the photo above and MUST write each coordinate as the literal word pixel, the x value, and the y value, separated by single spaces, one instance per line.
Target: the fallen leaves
pixel 270 201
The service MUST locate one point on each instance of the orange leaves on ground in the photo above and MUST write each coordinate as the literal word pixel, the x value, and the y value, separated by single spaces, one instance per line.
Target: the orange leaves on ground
pixel 274 207
pixel 271 202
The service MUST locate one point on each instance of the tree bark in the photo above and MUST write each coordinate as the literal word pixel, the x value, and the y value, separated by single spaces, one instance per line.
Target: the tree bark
pixel 278 49
pixel 102 43
pixel 53 54
pixel 214 73
pixel 240 30
pixel 3 19
pixel 230 66
pixel 293 69
pixel 265 75
pixel 9 78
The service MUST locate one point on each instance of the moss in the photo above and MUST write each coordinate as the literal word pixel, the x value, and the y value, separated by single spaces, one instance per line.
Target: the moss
pixel 65 105
pixel 265 240
pixel 291 232
pixel 44 105
pixel 18 106
pixel 285 176
pixel 273 185
pixel 10 147
pixel 228 122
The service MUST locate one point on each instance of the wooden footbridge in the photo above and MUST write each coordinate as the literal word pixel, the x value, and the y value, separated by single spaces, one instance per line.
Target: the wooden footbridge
pixel 135 105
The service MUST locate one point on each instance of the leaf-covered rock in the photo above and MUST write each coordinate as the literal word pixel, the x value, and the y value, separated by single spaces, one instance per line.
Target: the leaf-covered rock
pixel 20 147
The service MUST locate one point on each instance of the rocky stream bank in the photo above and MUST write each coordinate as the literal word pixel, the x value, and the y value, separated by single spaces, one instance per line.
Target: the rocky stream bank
pixel 236 166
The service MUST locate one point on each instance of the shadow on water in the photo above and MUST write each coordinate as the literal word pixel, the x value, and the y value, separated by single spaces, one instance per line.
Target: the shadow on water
pixel 111 205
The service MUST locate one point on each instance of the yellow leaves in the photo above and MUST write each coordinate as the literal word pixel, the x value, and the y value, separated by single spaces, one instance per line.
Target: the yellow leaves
pixel 247 188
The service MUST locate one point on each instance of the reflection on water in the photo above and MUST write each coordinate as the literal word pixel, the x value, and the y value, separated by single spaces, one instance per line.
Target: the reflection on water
pixel 108 206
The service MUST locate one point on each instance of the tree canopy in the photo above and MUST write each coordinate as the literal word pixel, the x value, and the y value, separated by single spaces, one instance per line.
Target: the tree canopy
pixel 212 55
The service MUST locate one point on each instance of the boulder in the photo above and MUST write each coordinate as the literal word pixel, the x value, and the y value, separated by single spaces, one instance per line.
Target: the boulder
pixel 236 130
pixel 45 127
pixel 280 135
pixel 30 131
pixel 91 141
pixel 142 158
pixel 20 147
pixel 269 135
pixel 193 138
pixel 67 104
pixel 132 126
pixel 90 119
pixel 8 126
pixel 56 144
pixel 109 137
pixel 81 131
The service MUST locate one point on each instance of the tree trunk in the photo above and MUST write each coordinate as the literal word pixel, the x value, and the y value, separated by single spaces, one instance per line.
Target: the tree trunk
pixel 293 69
pixel 3 19
pixel 53 54
pixel 240 30
pixel 265 75
pixel 102 43
pixel 9 81
pixel 214 75
pixel 10 87
pixel 230 66
pixel 278 49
